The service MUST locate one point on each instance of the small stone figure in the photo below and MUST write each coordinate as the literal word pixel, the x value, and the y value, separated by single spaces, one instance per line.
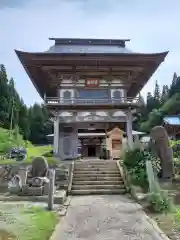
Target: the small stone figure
pixel 161 147
pixel 15 184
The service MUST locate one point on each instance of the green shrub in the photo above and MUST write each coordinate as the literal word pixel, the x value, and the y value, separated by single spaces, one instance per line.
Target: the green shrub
pixel 177 215
pixel 135 162
pixel 160 202
pixel 176 148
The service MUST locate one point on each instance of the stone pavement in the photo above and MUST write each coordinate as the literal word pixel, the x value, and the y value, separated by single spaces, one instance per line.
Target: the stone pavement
pixel 111 217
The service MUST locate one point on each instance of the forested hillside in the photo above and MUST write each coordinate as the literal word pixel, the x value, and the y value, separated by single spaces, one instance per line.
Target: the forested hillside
pixel 33 122
pixel 159 104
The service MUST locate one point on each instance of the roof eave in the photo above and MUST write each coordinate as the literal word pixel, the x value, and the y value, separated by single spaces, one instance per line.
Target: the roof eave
pixel 20 56
pixel 45 54
pixel 160 57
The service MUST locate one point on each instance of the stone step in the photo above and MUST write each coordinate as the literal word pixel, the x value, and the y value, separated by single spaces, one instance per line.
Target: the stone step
pixel 98 191
pixel 94 167
pixel 94 161
pixel 96 177
pixel 95 164
pixel 113 174
pixel 97 171
pixel 86 168
pixel 95 182
pixel 81 187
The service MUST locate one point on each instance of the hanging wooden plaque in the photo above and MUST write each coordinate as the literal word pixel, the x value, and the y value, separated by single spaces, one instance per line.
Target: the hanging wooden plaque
pixel 92 83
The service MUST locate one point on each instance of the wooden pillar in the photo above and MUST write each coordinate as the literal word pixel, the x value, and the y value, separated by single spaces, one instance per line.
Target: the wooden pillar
pixel 129 128
pixel 56 136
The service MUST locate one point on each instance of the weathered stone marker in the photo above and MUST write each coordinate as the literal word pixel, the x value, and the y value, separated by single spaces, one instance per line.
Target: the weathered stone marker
pixel 160 145
pixel 51 189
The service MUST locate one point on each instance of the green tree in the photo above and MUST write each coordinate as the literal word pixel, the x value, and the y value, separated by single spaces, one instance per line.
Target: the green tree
pixel 150 102
pixel 165 94
pixel 157 96
pixel 141 113
pixel 40 124
pixel 4 97
pixel 33 123
pixel 173 87
pixel 157 93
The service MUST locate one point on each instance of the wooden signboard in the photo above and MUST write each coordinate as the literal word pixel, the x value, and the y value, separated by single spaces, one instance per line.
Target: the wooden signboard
pixel 92 83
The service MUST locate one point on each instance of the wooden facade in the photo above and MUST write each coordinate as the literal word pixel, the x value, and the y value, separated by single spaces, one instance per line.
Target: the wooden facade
pixel 85 81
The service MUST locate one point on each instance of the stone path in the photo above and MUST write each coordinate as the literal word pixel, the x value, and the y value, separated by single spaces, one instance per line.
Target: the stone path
pixel 105 218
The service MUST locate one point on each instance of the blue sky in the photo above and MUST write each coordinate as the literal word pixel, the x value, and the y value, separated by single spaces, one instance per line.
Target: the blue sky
pixel 152 26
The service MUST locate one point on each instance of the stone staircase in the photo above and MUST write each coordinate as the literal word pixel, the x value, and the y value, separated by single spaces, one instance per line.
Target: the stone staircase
pixel 97 177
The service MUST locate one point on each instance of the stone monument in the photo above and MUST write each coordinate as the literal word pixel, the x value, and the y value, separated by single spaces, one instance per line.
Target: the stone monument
pixel 37 178
pixel 160 145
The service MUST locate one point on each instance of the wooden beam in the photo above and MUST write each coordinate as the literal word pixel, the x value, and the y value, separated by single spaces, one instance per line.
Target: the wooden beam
pixel 45 57
pixel 90 73
pixel 93 68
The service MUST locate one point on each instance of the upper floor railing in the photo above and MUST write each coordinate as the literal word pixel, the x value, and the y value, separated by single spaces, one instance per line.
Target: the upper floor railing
pixel 84 101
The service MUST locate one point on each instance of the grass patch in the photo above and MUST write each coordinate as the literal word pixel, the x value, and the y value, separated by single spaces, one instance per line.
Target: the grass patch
pixel 26 222
pixel 42 224
pixel 169 223
pixel 7 141
pixel 38 150
pixel 11 139
pixel 166 222
pixel 33 151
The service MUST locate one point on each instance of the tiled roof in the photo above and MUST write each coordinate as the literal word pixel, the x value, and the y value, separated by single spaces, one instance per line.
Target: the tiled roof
pixel 82 49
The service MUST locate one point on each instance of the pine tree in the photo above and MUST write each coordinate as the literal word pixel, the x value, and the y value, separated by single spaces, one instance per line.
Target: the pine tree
pixel 150 102
pixel 40 124
pixel 4 97
pixel 33 123
pixel 165 93
pixel 141 113
pixel 174 78
pixel 173 87
pixel 157 92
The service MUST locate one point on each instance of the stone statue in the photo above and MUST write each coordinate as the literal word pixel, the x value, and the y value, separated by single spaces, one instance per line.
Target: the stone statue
pixel 15 184
pixel 39 167
pixel 161 147
pixel 38 174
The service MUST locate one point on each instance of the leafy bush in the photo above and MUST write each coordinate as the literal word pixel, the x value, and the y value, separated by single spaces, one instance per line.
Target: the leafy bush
pixel 176 148
pixel 135 162
pixel 177 214
pixel 160 202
